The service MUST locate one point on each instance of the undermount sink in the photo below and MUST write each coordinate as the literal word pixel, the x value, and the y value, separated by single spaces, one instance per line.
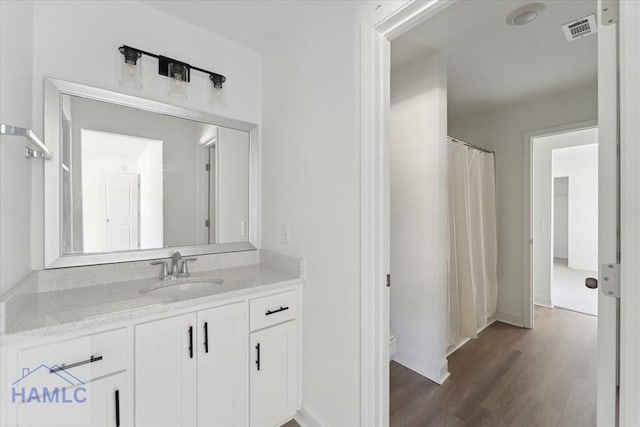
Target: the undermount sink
pixel 173 288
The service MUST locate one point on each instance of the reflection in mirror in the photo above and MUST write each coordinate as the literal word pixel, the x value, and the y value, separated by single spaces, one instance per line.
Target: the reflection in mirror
pixel 134 179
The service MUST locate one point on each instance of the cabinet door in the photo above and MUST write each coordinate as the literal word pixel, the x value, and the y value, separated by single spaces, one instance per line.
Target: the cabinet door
pixel 222 367
pixel 101 403
pixel 274 373
pixel 165 372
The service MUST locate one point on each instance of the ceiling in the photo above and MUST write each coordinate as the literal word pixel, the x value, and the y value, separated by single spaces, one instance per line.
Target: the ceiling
pixel 490 63
pixel 260 18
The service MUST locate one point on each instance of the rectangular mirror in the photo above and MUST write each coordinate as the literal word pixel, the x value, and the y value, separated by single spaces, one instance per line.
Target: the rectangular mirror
pixel 136 179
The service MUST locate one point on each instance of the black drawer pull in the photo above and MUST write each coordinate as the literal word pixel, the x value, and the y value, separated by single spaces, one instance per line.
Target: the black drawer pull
pixel 206 337
pixel 117 408
pixel 190 342
pixel 73 365
pixel 270 312
pixel 258 356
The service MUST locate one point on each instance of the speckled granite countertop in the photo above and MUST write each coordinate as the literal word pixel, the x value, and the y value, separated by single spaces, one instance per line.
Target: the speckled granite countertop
pixel 51 312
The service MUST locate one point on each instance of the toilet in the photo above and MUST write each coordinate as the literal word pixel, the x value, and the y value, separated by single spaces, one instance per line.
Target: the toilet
pixel 392 344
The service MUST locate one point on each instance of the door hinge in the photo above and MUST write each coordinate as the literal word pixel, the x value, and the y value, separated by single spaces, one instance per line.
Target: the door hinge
pixel 207 167
pixel 610 12
pixel 388 280
pixel 206 223
pixel 610 274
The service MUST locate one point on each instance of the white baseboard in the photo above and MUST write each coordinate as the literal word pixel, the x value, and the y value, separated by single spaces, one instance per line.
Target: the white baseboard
pixel 437 373
pixel 543 302
pixel 510 319
pixel 306 418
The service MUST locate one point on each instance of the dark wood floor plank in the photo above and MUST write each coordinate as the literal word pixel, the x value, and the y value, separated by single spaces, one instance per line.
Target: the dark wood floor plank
pixel 509 376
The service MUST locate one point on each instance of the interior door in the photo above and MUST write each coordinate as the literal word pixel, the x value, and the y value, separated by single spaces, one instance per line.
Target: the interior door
pixel 123 218
pixel 608 214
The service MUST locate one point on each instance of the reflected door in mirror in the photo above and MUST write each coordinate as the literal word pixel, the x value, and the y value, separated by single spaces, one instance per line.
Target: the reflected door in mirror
pixel 136 179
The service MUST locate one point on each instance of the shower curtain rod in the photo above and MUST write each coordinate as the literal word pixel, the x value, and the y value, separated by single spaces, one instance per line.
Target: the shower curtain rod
pixel 475 147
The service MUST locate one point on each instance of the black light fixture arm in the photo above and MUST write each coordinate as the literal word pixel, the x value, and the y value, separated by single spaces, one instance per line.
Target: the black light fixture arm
pixel 132 53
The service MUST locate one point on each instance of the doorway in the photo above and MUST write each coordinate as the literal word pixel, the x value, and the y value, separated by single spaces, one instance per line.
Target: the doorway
pixel 564 212
pixel 512 304
pixel 122 192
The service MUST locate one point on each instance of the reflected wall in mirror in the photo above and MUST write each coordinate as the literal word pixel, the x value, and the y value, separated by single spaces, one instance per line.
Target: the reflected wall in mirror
pixel 133 179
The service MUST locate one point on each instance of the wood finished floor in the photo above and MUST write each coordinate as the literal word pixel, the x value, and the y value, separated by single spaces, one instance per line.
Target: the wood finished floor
pixel 509 376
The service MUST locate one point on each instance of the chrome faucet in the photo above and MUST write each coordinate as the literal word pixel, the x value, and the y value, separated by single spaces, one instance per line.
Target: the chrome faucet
pixel 179 267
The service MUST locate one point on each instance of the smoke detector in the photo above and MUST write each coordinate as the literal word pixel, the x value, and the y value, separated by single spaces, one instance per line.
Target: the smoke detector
pixel 525 14
pixel 580 28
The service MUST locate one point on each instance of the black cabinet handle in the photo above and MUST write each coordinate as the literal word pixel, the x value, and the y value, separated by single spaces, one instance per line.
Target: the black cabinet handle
pixel 258 356
pixel 206 337
pixel 190 342
pixel 117 408
pixel 62 367
pixel 270 312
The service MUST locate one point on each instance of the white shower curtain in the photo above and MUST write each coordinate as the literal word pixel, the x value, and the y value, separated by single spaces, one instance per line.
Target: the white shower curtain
pixel 473 283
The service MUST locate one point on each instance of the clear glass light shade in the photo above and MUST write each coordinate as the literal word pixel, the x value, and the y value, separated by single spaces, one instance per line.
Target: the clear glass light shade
pixel 131 69
pixel 218 90
pixel 218 96
pixel 178 84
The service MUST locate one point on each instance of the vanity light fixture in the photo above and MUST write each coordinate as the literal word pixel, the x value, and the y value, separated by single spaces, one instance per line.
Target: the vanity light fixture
pixel 131 68
pixel 218 90
pixel 178 73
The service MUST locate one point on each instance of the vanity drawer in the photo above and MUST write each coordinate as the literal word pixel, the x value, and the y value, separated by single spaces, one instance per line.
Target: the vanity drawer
pixel 85 358
pixel 267 311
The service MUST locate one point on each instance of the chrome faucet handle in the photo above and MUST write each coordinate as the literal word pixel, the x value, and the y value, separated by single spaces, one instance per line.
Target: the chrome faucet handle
pixel 176 263
pixel 165 269
pixel 184 270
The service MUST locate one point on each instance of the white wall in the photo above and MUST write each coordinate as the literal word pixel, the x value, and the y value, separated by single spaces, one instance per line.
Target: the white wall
pixel 78 41
pixel 580 164
pixel 561 217
pixel 503 131
pixel 419 215
pixel 543 176
pixel 232 185
pixel 16 57
pixel 311 183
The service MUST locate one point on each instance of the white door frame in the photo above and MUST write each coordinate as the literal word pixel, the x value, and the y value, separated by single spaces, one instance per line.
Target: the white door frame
pixel 374 227
pixel 375 77
pixel 630 212
pixel 527 220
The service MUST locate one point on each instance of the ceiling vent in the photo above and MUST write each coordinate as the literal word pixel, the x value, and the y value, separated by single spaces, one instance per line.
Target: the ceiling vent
pixel 580 28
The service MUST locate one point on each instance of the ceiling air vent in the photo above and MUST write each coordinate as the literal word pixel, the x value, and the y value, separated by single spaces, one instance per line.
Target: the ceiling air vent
pixel 580 28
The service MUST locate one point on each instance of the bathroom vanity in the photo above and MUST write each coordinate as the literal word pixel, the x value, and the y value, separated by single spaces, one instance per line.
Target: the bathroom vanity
pixel 154 308
pixel 221 353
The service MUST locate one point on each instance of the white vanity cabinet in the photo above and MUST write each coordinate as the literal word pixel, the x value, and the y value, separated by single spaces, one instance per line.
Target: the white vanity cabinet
pixel 231 363
pixel 190 370
pixel 274 365
pixel 104 405
pixel 80 381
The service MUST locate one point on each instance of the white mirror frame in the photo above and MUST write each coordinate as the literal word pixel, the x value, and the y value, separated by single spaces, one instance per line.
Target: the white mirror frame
pixel 53 257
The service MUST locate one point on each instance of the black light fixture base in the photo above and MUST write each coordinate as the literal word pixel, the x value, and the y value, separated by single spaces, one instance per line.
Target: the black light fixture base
pixel 163 67
pixel 131 54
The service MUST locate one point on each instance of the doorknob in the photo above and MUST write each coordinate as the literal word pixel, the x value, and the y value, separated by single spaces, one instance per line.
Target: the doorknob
pixel 591 283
